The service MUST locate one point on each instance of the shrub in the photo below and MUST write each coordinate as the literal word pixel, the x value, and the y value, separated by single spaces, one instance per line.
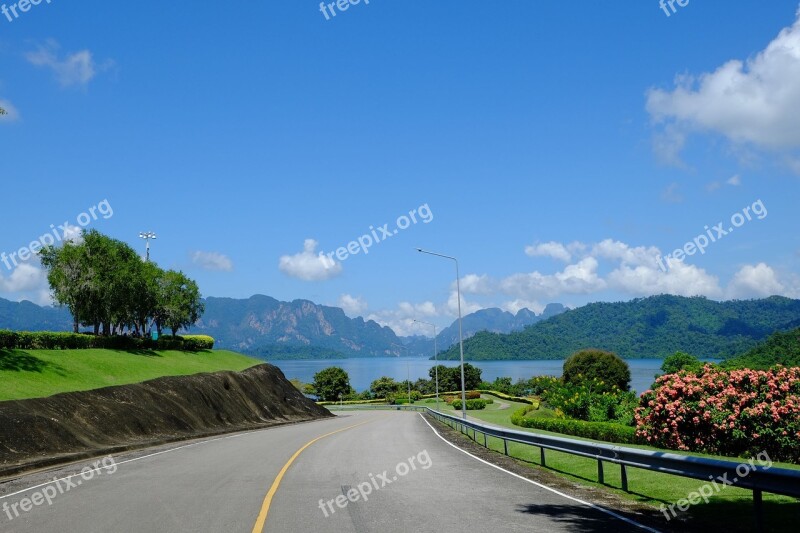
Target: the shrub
pixel 604 431
pixel 476 404
pixel 722 412
pixel 473 395
pixel 608 368
pixel 57 340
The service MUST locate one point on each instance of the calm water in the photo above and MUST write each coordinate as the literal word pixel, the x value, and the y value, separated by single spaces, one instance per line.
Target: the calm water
pixel 362 372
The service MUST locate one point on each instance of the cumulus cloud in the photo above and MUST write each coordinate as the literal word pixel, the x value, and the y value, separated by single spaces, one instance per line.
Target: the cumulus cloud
pixel 352 305
pixel 475 284
pixel 556 250
pixel 25 277
pixel 309 265
pixel 401 319
pixel 753 102
pixel 71 69
pixel 755 281
pixel 577 278
pixel 213 261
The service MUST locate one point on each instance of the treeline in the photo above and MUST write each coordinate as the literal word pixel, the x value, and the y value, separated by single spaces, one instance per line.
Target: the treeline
pixel 106 285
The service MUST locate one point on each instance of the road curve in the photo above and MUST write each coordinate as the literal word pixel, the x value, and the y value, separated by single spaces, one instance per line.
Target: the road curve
pixel 403 476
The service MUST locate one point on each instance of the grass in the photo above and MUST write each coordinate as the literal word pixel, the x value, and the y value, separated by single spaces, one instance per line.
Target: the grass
pixel 731 509
pixel 39 373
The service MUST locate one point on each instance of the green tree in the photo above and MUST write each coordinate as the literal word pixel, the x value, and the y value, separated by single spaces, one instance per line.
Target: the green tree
pixel 591 364
pixel 330 383
pixel 179 304
pixel 384 386
pixel 680 361
pixel 450 377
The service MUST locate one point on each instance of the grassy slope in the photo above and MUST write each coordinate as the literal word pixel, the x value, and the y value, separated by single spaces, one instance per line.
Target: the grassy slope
pixel 732 505
pixel 38 373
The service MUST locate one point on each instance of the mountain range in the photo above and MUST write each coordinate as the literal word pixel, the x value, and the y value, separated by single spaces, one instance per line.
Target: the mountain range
pixel 653 327
pixel 268 328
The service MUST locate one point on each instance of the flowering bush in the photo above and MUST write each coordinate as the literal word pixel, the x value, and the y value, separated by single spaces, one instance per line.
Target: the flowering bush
pixel 724 412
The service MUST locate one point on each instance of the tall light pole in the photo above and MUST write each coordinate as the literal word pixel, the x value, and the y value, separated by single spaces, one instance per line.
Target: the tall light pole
pixel 147 235
pixel 408 380
pixel 460 330
pixel 435 360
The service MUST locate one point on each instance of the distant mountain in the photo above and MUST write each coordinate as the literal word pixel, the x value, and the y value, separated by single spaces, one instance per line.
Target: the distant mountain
pixel 254 325
pixel 265 327
pixel 643 328
pixel 492 320
pixel 28 316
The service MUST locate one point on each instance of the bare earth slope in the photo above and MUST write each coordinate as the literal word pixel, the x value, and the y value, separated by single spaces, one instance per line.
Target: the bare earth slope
pixel 65 427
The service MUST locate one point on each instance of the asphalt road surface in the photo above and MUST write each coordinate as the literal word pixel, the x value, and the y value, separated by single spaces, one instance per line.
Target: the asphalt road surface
pixel 360 472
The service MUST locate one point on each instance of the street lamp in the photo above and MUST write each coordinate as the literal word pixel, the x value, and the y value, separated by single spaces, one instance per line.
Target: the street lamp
pixel 436 361
pixel 147 235
pixel 460 334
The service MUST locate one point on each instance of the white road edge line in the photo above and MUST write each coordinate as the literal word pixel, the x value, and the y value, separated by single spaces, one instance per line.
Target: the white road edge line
pixel 588 504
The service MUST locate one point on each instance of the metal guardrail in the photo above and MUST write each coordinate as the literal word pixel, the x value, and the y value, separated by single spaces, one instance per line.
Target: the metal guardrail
pixel 757 478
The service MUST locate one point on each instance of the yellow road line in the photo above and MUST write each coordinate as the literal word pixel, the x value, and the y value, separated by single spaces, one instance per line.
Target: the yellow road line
pixel 262 516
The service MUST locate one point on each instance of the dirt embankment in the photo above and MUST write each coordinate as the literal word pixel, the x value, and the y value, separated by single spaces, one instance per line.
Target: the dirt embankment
pixel 70 426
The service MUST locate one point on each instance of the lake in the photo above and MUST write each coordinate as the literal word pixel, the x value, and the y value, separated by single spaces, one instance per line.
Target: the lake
pixel 362 372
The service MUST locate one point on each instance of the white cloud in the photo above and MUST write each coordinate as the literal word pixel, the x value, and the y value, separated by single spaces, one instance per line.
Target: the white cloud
pixel 734 181
pixel 401 320
pixel 12 113
pixel 556 250
pixel 25 277
pixel 754 102
pixel 214 261
pixel 352 305
pixel 578 278
pixel 475 284
pixel 75 69
pixel 755 281
pixel 308 265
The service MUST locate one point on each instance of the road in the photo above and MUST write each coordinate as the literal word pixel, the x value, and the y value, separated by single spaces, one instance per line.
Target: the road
pixel 287 479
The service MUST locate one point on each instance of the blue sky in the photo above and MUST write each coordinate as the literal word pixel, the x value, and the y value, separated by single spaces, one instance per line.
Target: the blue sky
pixel 559 148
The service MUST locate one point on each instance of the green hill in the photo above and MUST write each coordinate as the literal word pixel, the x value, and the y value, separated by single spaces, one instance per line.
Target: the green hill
pixel 39 373
pixel 781 348
pixel 652 327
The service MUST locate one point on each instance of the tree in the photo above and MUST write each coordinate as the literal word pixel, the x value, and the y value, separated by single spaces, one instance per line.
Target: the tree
pixel 179 303
pixel 106 285
pixel 330 383
pixel 680 361
pixel 384 386
pixel 2 111
pixel 450 377
pixel 586 365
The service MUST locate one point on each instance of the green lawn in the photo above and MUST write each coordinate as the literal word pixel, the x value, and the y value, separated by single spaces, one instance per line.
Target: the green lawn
pixel 730 509
pixel 39 373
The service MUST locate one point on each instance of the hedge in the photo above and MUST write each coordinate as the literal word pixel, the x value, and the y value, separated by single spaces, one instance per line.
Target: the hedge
pixel 472 405
pixel 54 340
pixel 603 431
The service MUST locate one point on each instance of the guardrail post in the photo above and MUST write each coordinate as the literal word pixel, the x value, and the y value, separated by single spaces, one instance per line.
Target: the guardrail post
pixel 541 456
pixel 623 472
pixel 505 446
pixel 758 502
pixel 600 478
pixel 485 441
